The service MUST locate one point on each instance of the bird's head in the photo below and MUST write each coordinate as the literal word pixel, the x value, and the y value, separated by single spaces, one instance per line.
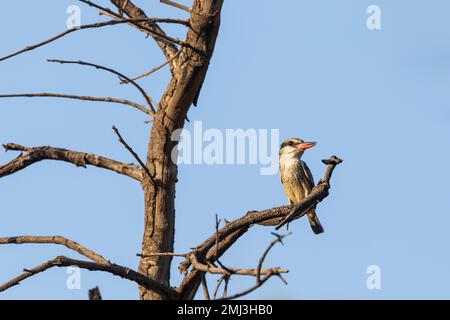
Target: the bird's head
pixel 294 147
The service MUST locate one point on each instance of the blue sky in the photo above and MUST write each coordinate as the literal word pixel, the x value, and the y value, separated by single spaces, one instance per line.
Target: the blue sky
pixel 377 99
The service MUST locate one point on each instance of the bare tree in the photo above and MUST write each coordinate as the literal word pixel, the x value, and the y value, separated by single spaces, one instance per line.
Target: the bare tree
pixel 188 61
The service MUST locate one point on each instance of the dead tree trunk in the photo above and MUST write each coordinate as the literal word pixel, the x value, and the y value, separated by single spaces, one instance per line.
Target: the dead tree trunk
pixel 188 61
pixel 181 93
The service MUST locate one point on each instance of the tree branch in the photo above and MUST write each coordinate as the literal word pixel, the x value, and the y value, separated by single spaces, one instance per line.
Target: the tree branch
pixel 216 289
pixel 205 287
pixel 85 98
pixel 114 269
pixel 318 193
pixel 259 281
pixel 131 10
pixel 176 5
pixel 135 23
pixel 56 240
pixel 154 69
pixel 121 76
pixel 259 270
pixel 80 159
pixel 163 254
pixel 231 271
pixel 249 290
pixel 154 34
pixel 228 272
pixel 82 27
pixel 232 231
pixel 191 281
pixel 133 153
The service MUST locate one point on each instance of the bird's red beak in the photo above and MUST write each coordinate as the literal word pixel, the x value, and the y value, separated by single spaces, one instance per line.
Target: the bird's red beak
pixel 305 145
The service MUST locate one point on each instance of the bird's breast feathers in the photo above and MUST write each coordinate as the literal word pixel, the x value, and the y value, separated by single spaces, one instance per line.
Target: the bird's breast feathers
pixel 297 184
pixel 290 169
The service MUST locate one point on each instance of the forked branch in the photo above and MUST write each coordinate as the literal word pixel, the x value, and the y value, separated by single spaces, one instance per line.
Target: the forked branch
pixel 121 76
pixel 146 74
pixel 232 231
pixel 127 6
pixel 227 272
pixel 232 271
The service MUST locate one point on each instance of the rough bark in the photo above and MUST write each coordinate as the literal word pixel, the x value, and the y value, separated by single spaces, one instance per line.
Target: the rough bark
pixel 178 97
pixel 80 159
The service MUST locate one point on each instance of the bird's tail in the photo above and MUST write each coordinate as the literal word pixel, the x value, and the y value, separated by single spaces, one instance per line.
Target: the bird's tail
pixel 314 222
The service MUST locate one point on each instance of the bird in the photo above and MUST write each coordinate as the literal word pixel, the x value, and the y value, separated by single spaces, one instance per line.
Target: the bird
pixel 296 177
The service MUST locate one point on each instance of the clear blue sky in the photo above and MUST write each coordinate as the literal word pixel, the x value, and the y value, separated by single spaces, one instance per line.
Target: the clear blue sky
pixel 378 99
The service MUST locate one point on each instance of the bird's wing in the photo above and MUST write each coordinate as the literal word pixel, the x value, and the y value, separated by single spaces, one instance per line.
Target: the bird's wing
pixel 308 174
pixel 281 172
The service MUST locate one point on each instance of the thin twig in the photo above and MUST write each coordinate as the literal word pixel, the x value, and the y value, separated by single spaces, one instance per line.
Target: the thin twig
pixel 121 76
pixel 230 271
pixel 176 5
pixel 249 290
pixel 135 155
pixel 151 32
pixel 259 282
pixel 154 69
pixel 282 279
pixel 131 10
pixel 55 240
pixel 85 98
pixel 225 287
pixel 227 270
pixel 88 26
pixel 219 282
pixel 135 22
pixel 205 287
pixel 162 254
pixel 279 239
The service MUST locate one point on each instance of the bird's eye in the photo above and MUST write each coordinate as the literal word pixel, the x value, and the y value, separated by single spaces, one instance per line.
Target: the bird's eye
pixel 290 143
